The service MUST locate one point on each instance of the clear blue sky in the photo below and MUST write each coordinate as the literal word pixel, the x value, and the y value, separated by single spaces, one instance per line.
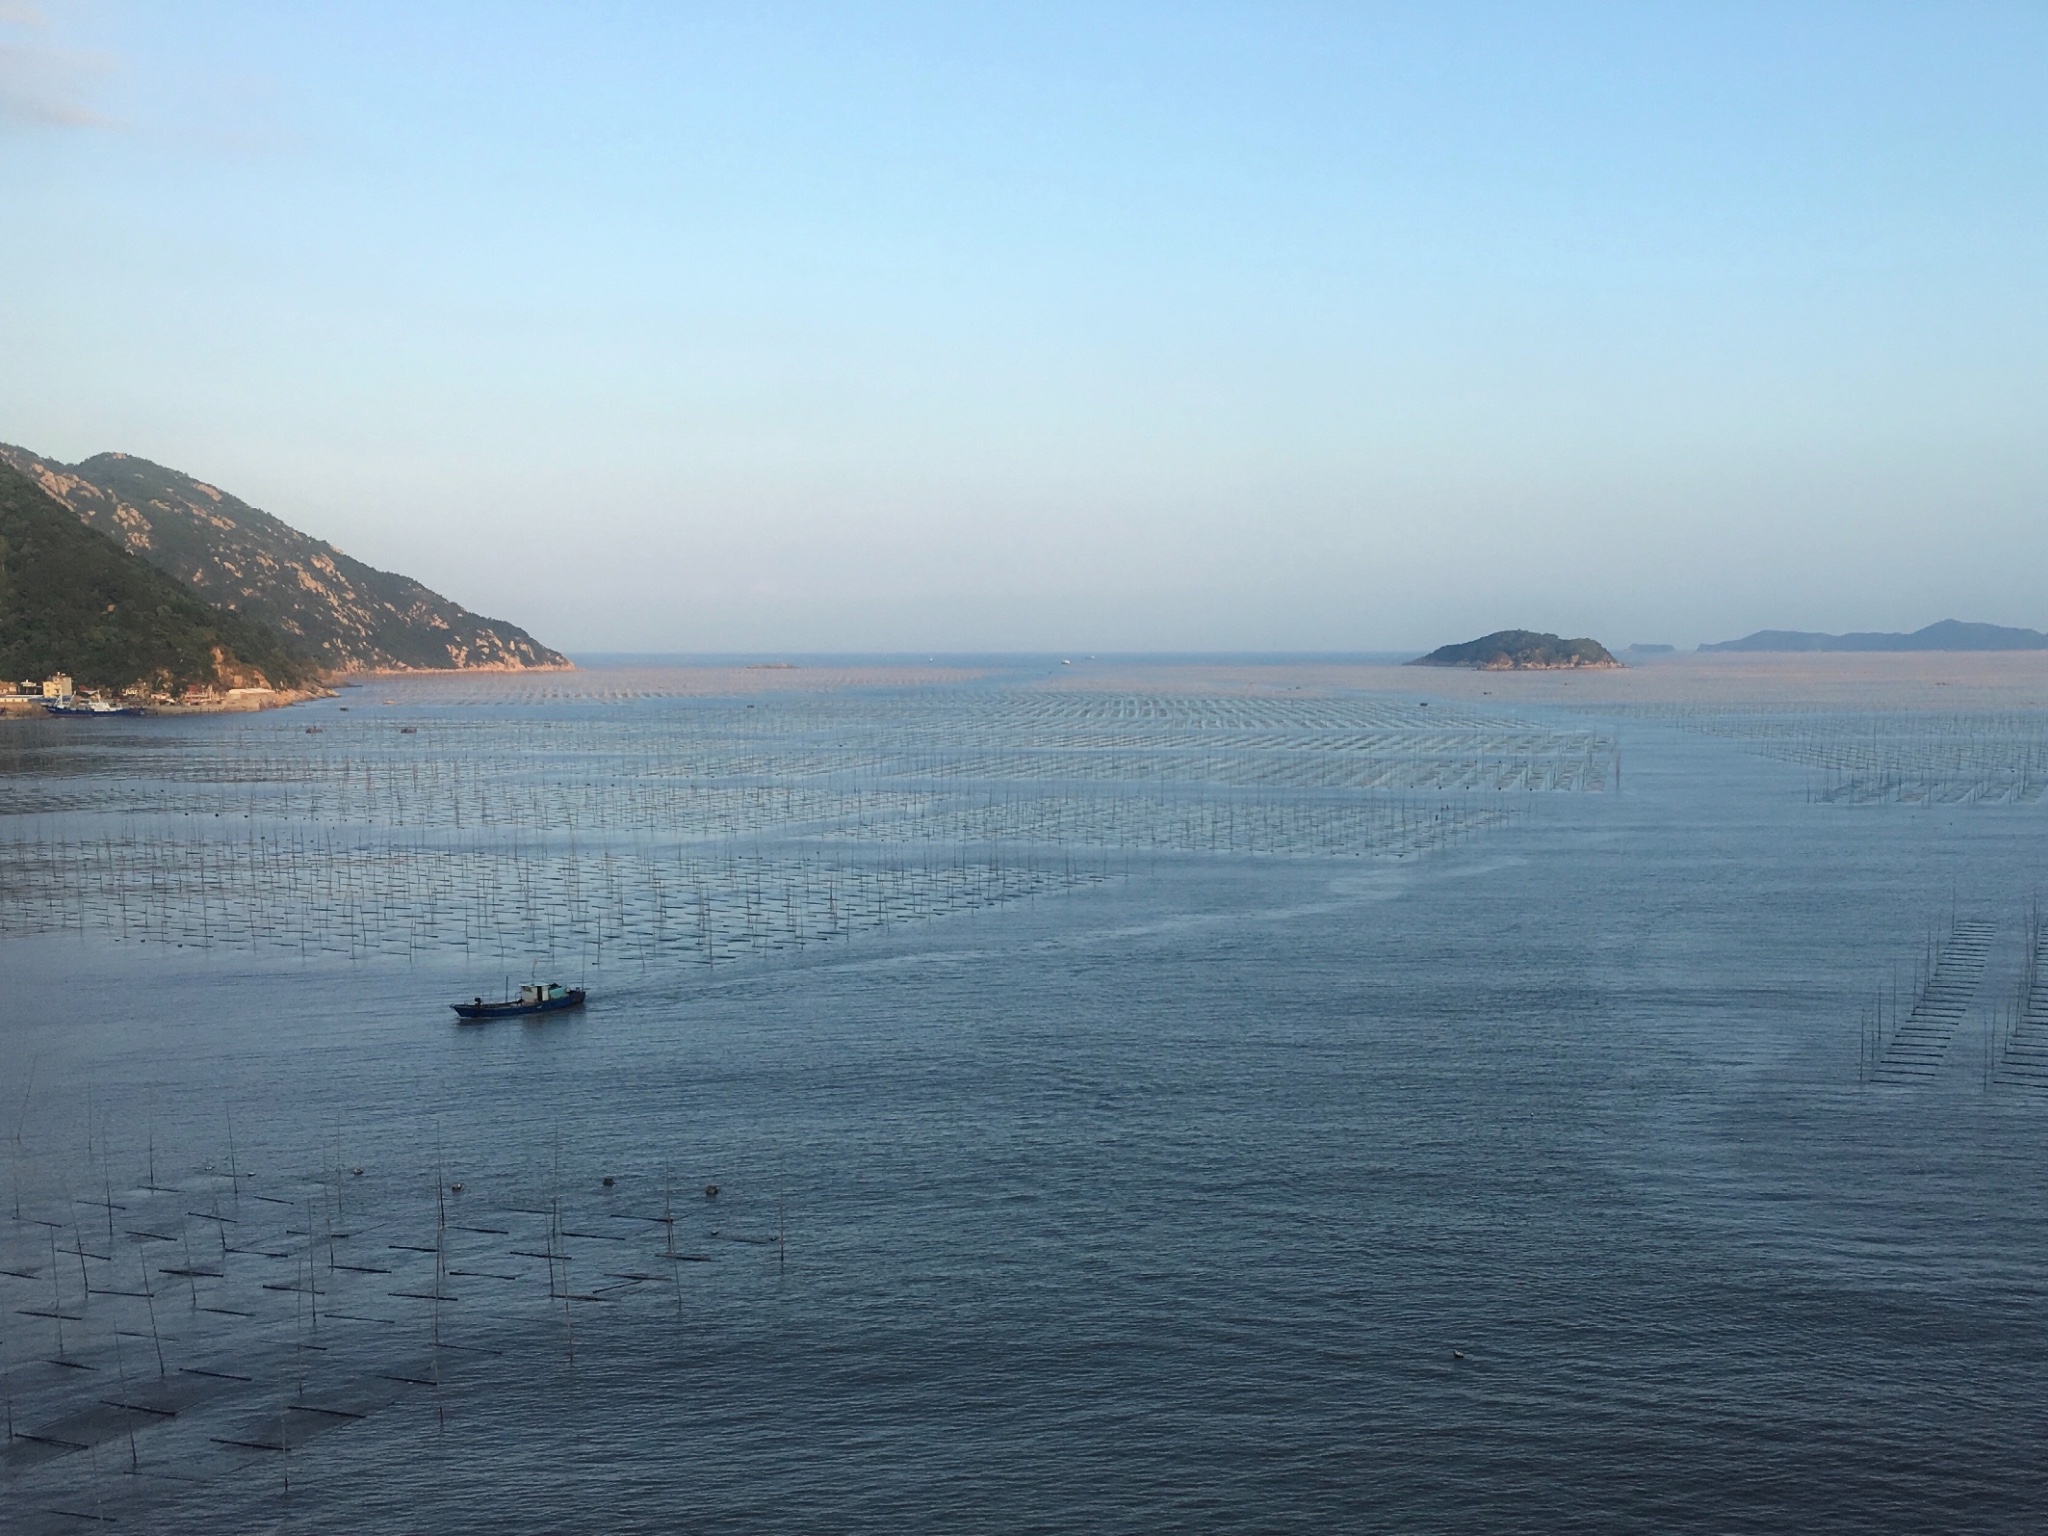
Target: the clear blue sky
pixel 962 326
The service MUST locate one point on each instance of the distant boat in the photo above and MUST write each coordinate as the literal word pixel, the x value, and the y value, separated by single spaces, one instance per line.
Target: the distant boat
pixel 94 707
pixel 551 998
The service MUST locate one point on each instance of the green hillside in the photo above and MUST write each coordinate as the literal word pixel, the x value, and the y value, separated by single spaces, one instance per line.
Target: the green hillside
pixel 347 615
pixel 72 600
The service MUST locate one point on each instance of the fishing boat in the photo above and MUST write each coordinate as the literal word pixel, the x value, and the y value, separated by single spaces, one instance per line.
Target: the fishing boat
pixel 552 997
pixel 92 707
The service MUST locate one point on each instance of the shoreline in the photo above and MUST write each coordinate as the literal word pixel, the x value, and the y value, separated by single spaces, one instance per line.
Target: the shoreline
pixel 239 702
pixel 242 701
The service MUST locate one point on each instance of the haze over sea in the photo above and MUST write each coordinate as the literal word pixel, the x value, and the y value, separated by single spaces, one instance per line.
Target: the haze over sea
pixel 1229 1094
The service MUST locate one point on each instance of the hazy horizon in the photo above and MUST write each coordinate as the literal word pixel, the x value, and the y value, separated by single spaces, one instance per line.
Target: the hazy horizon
pixel 1134 329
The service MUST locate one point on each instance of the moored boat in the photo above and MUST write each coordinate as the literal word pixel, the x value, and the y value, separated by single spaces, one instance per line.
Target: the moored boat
pixel 552 997
pixel 92 707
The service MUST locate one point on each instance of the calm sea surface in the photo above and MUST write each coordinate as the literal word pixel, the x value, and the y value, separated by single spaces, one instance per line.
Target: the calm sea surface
pixel 1126 1112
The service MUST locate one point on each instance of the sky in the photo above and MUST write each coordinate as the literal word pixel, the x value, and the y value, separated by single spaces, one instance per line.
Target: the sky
pixel 964 327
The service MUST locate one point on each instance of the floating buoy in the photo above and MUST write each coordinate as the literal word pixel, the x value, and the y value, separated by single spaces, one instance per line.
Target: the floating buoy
pixel 710 1191
pixel 454 1189
pixel 1457 1354
pixel 608 1181
pixel 357 1172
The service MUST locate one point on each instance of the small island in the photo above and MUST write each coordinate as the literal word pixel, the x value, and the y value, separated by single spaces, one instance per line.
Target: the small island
pixel 1519 650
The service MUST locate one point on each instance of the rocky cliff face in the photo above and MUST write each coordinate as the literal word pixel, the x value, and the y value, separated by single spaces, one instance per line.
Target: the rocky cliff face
pixel 74 601
pixel 348 615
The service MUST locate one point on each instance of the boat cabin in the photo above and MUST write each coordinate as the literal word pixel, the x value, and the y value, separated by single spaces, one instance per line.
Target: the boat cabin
pixel 540 994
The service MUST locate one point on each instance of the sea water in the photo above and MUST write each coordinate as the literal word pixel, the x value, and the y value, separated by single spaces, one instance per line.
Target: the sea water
pixel 1124 1111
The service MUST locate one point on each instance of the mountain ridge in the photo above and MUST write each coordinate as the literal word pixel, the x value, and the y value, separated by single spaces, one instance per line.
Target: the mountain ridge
pixel 347 615
pixel 1944 635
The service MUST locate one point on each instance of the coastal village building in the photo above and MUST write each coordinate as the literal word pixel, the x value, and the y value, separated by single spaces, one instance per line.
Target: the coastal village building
pixel 58 687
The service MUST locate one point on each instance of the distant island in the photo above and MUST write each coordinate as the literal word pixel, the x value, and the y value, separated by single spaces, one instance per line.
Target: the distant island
pixel 1948 635
pixel 1520 650
pixel 342 615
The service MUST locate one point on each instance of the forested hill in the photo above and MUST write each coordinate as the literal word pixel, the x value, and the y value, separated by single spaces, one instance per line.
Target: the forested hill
pixel 347 615
pixel 1516 650
pixel 72 600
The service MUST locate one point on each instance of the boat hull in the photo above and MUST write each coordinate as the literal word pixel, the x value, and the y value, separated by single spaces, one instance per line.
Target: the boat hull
pixel 478 1013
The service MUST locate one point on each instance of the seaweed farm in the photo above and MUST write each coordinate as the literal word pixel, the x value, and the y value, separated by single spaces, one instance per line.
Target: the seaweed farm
pixel 1864 757
pixel 178 1325
pixel 1205 1104
pixel 717 831
pixel 1945 983
pixel 2017 1049
pixel 185 1317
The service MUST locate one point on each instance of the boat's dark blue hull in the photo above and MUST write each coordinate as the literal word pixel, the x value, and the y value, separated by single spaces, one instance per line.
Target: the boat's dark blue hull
pixel 476 1013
